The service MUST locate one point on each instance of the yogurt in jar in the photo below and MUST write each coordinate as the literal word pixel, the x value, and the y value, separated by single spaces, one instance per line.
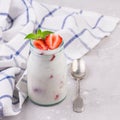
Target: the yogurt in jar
pixel 47 83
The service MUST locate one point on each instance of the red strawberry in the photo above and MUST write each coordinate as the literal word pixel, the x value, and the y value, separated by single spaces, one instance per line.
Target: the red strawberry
pixel 40 44
pixel 53 41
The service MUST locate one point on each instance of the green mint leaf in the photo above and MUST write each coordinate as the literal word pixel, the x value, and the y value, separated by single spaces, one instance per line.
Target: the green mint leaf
pixel 38 35
pixel 45 33
pixel 39 31
pixel 31 36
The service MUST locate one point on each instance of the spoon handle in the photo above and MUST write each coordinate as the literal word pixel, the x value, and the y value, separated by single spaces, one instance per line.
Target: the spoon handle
pixel 78 87
pixel 78 105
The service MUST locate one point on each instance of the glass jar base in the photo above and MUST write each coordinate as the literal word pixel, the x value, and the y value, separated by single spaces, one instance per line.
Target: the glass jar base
pixel 47 105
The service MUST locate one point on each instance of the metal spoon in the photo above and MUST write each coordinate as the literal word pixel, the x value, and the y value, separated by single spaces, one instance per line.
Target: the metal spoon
pixel 78 71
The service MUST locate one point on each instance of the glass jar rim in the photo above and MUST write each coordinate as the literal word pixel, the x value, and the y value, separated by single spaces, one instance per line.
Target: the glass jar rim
pixel 46 52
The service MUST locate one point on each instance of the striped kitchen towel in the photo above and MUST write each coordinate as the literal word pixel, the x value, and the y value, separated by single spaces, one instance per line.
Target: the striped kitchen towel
pixel 81 30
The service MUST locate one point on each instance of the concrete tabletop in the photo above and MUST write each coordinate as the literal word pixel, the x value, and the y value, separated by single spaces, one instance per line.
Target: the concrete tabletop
pixel 101 87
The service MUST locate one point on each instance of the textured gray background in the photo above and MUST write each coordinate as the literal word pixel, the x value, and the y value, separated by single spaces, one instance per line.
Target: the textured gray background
pixel 101 87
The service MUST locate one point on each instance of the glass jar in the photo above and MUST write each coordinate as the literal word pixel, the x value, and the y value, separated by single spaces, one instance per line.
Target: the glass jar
pixel 46 75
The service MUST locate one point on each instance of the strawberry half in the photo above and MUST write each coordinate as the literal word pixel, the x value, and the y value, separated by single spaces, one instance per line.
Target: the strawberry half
pixel 53 41
pixel 40 44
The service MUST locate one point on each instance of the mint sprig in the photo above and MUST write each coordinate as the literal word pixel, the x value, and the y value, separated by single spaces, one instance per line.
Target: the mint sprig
pixel 38 35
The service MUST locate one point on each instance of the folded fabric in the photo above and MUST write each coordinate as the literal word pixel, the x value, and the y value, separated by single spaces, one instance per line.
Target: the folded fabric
pixel 81 31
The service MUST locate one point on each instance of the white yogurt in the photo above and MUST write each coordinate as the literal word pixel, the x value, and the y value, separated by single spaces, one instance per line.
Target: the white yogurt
pixel 47 84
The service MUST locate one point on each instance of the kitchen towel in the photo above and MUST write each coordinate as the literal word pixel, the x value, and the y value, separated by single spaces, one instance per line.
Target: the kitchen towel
pixel 81 31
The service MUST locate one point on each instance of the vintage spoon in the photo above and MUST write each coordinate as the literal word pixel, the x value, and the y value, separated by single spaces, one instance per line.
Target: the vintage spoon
pixel 78 71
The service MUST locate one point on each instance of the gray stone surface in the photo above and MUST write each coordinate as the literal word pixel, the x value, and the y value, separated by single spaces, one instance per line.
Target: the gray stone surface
pixel 101 87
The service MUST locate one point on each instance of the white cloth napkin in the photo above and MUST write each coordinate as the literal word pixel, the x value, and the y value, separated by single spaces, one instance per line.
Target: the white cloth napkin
pixel 81 31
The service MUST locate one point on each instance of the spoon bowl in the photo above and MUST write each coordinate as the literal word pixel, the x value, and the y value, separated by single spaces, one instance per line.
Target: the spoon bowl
pixel 78 71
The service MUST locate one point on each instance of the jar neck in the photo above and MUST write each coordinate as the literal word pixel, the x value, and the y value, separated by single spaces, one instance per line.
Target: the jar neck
pixel 46 52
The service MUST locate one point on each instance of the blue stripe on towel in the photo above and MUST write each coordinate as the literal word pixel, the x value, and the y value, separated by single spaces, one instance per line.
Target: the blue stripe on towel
pixel 83 43
pixel 104 31
pixel 21 48
pixel 9 78
pixel 69 58
pixel 6 96
pixel 10 26
pixel 6 14
pixel 31 1
pixel 17 52
pixel 65 19
pixel 6 57
pixel 96 25
pixel 10 20
pixel 27 11
pixel 10 97
pixel 78 36
pixel 47 15
pixel 97 22
pixel 45 7
pixel 74 37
